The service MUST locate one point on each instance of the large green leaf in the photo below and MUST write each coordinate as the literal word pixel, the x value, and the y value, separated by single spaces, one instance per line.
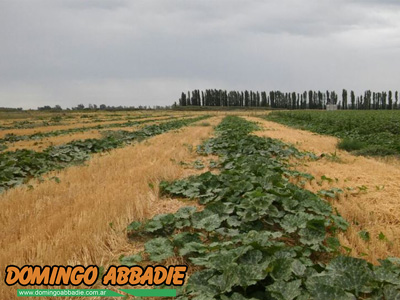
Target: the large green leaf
pixel 159 249
pixel 208 223
pixel 282 290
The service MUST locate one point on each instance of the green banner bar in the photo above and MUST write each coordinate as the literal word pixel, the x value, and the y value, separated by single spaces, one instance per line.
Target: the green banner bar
pixel 150 292
pixel 66 293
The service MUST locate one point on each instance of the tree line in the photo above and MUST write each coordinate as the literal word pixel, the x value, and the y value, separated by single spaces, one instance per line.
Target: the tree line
pixel 10 109
pixel 103 107
pixel 277 99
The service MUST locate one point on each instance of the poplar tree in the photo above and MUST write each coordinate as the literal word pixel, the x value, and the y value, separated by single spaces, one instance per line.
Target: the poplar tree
pixel 344 99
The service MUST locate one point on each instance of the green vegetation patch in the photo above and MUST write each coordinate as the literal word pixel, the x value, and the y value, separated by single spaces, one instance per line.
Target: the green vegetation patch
pixel 364 132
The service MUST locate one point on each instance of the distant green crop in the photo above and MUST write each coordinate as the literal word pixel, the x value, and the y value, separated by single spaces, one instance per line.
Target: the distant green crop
pixel 364 132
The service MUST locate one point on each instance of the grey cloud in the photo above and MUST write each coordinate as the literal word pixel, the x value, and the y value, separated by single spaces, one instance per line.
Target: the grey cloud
pixel 95 4
pixel 143 52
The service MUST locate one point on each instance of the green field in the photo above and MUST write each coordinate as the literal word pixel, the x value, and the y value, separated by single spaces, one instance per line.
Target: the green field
pixel 362 132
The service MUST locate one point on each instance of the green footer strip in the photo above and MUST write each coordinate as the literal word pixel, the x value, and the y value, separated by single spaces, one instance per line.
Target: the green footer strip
pixel 150 293
pixel 66 292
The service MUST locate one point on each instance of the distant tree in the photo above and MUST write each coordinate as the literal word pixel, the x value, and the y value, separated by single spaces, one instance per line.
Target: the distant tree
pixel 328 99
pixel 246 98
pixel 46 107
pixel 272 98
pixel 373 100
pixel 384 97
pixel 188 99
pixel 294 100
pixel 263 99
pixel 182 100
pixel 344 99
pixel 367 99
pixel 353 100
pixel 304 102
pixel 298 100
pixel 378 98
pixel 310 99
pixel 333 97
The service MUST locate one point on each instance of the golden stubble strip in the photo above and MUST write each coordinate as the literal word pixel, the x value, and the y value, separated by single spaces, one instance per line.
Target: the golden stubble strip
pixel 82 219
pixel 372 204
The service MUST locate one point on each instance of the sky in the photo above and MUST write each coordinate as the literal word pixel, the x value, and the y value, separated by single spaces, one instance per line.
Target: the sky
pixel 146 52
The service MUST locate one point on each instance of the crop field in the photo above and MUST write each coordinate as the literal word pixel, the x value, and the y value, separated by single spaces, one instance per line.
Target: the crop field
pixel 364 132
pixel 255 209
pixel 49 137
pixel 12 135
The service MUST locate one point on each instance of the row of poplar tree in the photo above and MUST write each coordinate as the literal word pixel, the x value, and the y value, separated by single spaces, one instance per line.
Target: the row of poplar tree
pixel 277 99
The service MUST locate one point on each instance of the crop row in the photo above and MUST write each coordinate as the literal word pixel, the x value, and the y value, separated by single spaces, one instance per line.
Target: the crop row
pixel 259 236
pixel 19 166
pixel 366 132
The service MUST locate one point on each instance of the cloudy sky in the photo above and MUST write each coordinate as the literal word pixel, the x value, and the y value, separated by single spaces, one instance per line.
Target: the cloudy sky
pixel 145 52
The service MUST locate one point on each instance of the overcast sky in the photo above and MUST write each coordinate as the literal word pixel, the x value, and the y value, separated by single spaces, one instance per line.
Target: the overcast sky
pixel 145 52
